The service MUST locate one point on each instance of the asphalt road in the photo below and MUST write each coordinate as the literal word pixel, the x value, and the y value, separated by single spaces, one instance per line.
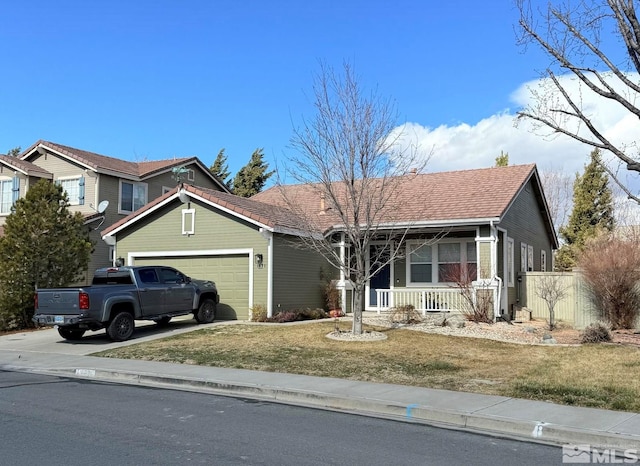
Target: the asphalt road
pixel 57 421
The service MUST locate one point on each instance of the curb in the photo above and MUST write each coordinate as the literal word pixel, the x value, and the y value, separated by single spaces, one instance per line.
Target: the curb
pixel 531 431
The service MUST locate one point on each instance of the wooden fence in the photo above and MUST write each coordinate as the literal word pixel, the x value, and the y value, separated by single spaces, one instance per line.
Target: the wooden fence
pixel 575 308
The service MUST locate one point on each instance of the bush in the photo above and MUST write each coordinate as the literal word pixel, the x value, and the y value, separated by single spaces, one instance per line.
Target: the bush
pixel 406 314
pixel 259 313
pixel 285 316
pixel 611 268
pixel 312 314
pixel 596 332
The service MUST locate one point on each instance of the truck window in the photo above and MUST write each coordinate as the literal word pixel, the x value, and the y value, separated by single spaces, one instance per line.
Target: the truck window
pixel 171 276
pixel 148 276
pixel 113 280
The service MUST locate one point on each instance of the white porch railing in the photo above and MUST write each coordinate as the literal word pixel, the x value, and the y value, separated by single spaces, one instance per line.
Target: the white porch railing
pixel 425 300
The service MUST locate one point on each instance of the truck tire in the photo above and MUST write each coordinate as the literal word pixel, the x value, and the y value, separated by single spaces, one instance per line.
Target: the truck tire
pixel 121 326
pixel 206 312
pixel 70 333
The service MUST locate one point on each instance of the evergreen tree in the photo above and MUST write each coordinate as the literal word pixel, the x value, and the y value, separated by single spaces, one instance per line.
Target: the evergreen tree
pixel 253 176
pixel 592 212
pixel 502 160
pixel 14 152
pixel 221 169
pixel 44 246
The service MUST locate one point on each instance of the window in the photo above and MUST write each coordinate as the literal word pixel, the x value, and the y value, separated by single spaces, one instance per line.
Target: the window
pixel 523 257
pixel 171 276
pixel 510 262
pixel 449 261
pixel 191 175
pixel 530 258
pixel 132 196
pixel 9 192
pixel 74 187
pixel 148 276
pixel 543 260
pixel 420 260
pixel 188 221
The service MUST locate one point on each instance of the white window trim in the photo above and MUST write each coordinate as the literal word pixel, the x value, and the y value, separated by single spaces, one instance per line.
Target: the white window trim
pixel 191 175
pixel 543 260
pixel 134 183
pixel 511 251
pixel 69 178
pixel 530 261
pixel 7 180
pixel 188 221
pixel 523 257
pixel 434 259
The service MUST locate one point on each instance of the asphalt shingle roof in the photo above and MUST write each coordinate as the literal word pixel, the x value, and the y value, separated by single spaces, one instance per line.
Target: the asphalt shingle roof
pixel 439 197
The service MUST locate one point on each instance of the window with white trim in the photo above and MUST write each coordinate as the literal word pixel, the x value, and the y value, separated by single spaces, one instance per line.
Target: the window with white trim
pixel 420 263
pixel 132 196
pixel 74 187
pixel 510 262
pixel 191 175
pixel 9 193
pixel 523 257
pixel 443 262
pixel 530 258
pixel 543 260
pixel 188 221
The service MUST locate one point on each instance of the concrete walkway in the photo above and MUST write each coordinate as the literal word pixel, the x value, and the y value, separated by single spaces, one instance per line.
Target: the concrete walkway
pixel 45 352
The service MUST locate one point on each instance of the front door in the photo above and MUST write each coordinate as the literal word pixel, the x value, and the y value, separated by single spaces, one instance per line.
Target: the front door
pixel 382 279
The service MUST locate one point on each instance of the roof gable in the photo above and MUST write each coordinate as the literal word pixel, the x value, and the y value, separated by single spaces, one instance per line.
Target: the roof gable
pixel 24 167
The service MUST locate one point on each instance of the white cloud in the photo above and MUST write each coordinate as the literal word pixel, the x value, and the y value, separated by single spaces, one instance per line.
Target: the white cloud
pixel 476 145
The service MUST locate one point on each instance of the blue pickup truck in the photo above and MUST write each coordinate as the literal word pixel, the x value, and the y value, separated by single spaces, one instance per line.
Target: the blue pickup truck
pixel 120 295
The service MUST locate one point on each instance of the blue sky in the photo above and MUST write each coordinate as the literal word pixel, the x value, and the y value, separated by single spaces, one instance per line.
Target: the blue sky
pixel 157 79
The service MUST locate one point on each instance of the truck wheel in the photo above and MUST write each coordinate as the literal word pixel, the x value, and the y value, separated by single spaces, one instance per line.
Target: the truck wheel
pixel 70 333
pixel 206 312
pixel 163 321
pixel 121 327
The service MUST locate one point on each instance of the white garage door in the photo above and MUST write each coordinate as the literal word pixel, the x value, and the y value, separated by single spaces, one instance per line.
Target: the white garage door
pixel 229 272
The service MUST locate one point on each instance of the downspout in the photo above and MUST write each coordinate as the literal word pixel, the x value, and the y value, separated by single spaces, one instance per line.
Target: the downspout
pixel 494 269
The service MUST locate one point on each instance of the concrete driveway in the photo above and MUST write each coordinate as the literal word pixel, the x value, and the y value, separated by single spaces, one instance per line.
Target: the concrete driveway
pixel 49 341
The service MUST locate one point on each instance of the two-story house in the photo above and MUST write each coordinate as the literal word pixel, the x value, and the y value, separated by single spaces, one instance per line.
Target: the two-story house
pixel 90 179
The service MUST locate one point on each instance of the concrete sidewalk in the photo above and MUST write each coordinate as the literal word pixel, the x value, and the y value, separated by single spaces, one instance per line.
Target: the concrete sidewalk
pixel 515 418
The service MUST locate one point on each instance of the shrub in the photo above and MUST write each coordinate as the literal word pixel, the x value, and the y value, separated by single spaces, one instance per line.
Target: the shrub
pixel 611 268
pixel 312 314
pixel 596 332
pixel 406 314
pixel 285 316
pixel 258 313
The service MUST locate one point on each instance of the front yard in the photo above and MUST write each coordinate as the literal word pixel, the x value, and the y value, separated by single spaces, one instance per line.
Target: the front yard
pixel 601 376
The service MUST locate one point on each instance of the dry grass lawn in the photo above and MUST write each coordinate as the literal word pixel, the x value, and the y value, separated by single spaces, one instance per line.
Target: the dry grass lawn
pixel 602 376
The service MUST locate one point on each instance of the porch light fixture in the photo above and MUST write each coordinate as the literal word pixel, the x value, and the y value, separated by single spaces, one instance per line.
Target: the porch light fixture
pixel 259 261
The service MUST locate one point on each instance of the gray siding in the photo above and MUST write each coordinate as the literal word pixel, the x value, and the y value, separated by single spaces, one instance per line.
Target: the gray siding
pixel 525 223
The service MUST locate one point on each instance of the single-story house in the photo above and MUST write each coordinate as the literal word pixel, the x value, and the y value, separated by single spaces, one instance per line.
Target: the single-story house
pixel 492 222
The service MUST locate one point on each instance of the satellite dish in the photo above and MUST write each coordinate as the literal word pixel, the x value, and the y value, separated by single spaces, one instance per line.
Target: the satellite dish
pixel 183 196
pixel 103 206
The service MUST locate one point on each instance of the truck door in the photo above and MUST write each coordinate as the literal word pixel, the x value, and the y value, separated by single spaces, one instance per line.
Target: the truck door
pixel 152 292
pixel 179 295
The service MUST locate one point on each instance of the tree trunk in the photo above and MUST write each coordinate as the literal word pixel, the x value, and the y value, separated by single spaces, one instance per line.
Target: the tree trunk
pixel 356 328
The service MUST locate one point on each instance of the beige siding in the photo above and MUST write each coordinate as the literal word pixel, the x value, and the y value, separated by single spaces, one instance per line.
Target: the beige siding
pixel 485 260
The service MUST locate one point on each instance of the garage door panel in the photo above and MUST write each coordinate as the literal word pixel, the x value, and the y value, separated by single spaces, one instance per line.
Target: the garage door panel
pixel 230 273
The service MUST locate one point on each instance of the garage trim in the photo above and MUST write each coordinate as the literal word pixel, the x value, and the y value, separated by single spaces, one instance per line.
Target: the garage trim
pixel 201 252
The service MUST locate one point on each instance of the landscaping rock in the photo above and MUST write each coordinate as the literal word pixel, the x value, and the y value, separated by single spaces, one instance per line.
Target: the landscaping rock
pixel 529 329
pixel 548 339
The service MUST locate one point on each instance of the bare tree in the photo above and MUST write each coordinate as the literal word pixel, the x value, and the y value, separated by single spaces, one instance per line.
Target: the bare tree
pixel 349 157
pixel 577 36
pixel 558 190
pixel 552 288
